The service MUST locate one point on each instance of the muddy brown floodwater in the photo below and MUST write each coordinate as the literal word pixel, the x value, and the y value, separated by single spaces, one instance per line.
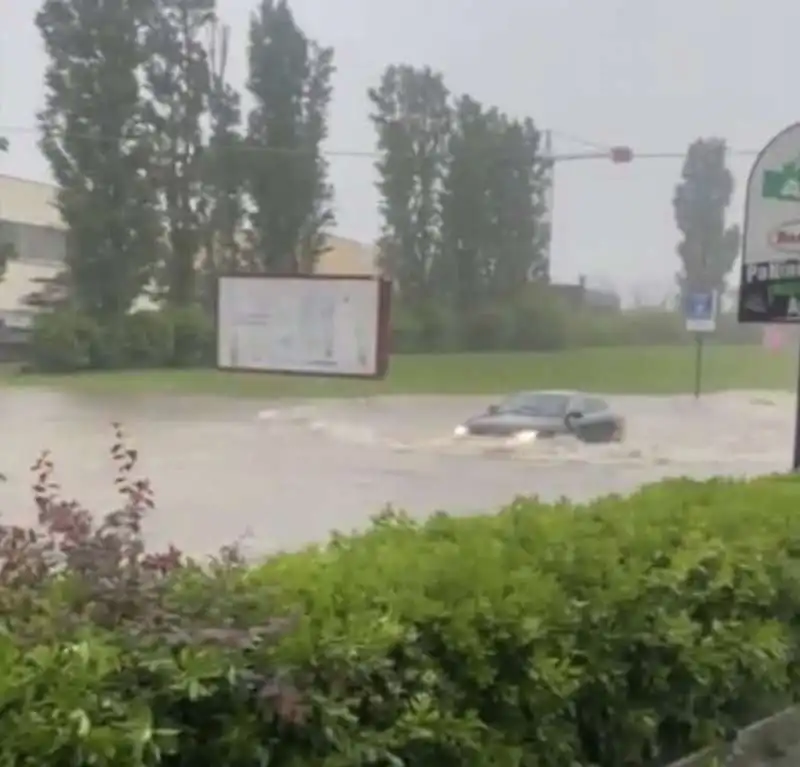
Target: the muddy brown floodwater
pixel 281 474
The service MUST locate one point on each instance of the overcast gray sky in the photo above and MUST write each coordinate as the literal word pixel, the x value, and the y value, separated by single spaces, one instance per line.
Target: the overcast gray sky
pixel 654 74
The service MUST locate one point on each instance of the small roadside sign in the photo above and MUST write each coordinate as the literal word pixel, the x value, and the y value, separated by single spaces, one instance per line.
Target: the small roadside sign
pixel 769 289
pixel 700 311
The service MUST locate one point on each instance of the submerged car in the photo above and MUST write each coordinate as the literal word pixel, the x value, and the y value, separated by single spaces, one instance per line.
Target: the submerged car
pixel 532 415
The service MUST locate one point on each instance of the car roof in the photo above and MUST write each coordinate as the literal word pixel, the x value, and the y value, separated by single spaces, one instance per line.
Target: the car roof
pixel 567 393
pixel 550 392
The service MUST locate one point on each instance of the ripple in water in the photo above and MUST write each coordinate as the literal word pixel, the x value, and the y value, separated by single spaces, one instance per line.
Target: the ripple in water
pixel 752 427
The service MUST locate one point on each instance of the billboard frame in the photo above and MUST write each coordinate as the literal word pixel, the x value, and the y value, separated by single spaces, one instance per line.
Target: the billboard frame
pixel 383 331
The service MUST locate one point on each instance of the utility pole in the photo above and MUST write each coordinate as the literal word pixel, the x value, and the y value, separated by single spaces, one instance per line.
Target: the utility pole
pixel 550 176
pixel 699 337
pixel 619 155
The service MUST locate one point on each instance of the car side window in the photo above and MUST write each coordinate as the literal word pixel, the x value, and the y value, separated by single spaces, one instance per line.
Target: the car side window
pixel 594 405
pixel 577 405
pixel 587 405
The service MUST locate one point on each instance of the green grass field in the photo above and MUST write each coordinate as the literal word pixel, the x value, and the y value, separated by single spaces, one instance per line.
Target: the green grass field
pixel 661 370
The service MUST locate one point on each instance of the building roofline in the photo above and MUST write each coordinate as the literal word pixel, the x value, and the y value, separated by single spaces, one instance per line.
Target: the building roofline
pixel 53 187
pixel 13 177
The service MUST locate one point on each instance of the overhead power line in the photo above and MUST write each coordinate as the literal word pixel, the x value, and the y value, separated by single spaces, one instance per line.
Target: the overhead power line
pixel 91 137
pixel 599 151
pixel 605 149
pixel 588 143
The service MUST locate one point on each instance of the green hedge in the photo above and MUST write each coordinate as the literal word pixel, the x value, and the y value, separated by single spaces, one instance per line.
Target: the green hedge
pixel 626 631
pixel 66 341
pixel 111 654
pixel 542 324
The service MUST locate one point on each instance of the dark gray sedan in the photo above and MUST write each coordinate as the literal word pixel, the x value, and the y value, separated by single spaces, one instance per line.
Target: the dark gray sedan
pixel 532 415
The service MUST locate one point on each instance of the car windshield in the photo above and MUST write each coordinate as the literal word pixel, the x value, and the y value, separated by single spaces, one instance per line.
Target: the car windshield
pixel 540 404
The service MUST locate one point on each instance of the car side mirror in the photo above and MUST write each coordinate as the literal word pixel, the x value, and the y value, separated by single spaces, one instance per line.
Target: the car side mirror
pixel 493 410
pixel 573 415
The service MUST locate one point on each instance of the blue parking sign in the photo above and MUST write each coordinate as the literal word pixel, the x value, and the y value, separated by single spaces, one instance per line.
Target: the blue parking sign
pixel 700 311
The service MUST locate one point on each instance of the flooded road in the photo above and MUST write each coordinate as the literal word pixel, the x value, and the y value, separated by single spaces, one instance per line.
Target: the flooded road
pixel 278 475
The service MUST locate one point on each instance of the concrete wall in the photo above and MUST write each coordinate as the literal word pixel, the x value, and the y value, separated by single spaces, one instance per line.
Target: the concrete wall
pixel 348 257
pixel 772 742
pixel 20 281
pixel 32 223
pixel 28 202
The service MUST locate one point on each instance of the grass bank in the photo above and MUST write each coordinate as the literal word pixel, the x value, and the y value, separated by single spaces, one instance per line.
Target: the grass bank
pixel 659 370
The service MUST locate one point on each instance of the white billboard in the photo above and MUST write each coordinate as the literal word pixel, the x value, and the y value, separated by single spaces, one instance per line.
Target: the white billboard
pixel 307 325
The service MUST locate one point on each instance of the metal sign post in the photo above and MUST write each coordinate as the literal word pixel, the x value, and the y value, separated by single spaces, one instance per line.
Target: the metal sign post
pixel 700 311
pixel 769 290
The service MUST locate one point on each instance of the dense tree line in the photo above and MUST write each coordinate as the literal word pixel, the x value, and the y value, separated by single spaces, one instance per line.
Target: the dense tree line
pixel 462 188
pixel 164 180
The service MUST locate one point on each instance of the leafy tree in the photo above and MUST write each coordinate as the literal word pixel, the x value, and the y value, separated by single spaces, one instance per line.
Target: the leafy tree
pixel 709 247
pixel 290 83
pixel 412 116
pixel 223 170
pixel 463 270
pixel 99 149
pixel 178 84
pixel 517 187
pixel 493 228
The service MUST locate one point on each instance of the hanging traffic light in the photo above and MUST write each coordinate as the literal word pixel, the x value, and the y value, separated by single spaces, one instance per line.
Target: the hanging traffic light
pixel 621 154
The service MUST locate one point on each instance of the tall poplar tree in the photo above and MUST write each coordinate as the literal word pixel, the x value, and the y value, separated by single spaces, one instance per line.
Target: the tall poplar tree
pixel 290 86
pixel 100 149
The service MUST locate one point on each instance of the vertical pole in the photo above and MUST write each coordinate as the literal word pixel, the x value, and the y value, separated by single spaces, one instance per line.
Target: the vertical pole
pixel 549 197
pixel 698 365
pixel 796 452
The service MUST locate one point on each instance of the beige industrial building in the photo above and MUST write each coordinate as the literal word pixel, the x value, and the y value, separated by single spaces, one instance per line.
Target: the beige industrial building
pixel 32 224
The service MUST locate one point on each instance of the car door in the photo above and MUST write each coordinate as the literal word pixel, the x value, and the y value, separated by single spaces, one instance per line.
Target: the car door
pixel 594 423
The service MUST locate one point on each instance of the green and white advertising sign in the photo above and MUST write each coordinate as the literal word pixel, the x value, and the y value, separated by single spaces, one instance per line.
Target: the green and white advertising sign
pixel 782 184
pixel 769 289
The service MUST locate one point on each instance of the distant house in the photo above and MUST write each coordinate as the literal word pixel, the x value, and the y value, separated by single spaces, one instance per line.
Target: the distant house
pixel 602 299
pixel 346 256
pixel 578 296
pixel 32 225
pixel 30 221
